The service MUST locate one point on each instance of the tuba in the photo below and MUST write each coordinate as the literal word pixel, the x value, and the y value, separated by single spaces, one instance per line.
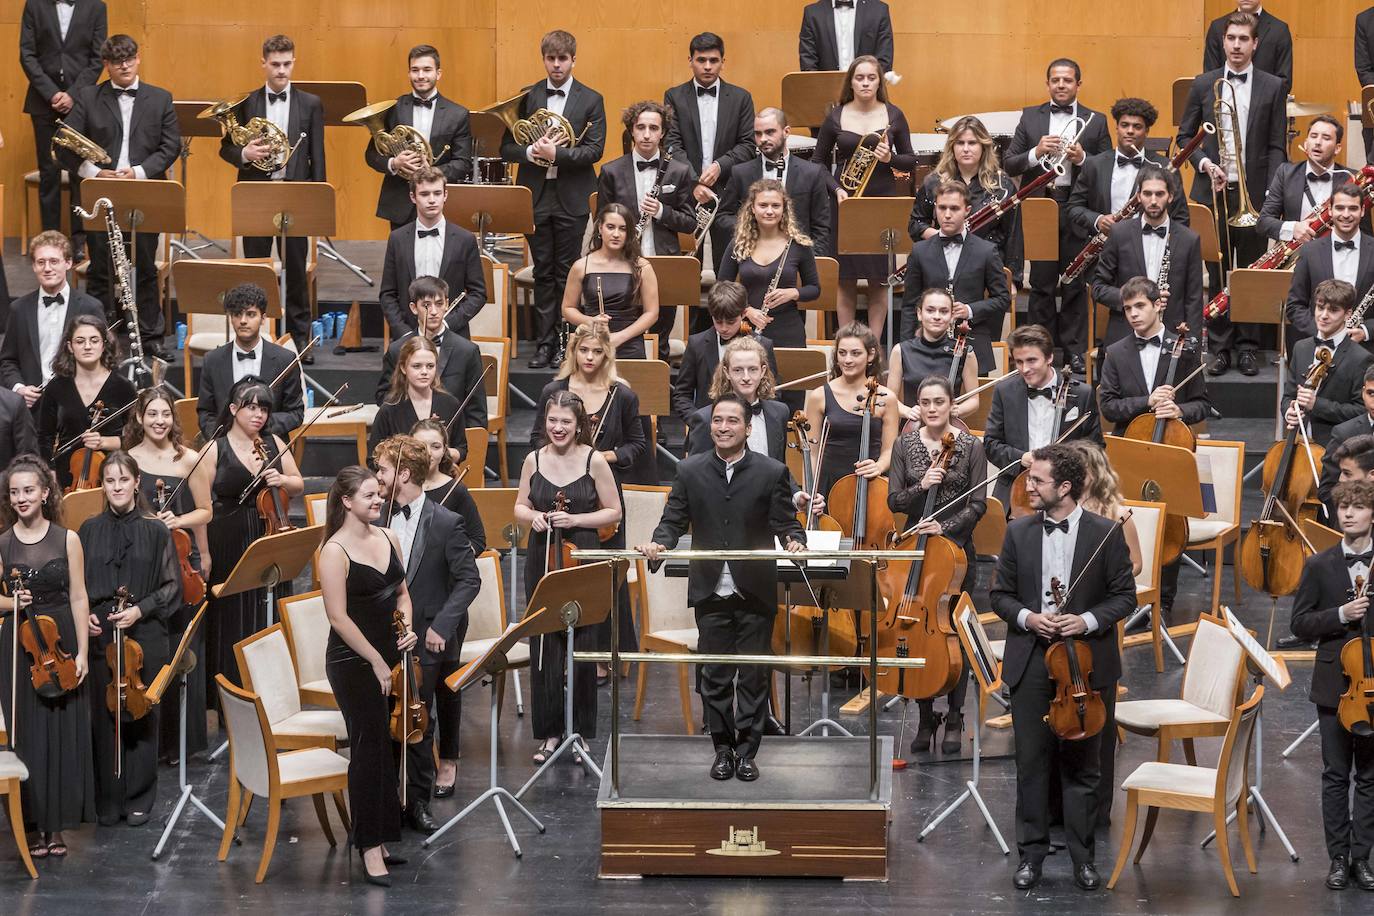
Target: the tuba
pixel 540 124
pixel 79 143
pixel 1222 107
pixel 400 139
pixel 859 169
pixel 256 129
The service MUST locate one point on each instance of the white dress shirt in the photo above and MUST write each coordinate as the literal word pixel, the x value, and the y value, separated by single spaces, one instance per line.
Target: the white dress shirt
pixel 758 434
pixel 1040 416
pixel 1154 248
pixel 240 368
pixel 65 8
pixel 429 251
pixel 405 527
pixel 1345 264
pixel 952 251
pixel 844 33
pixel 1056 562
pixel 556 104
pixel 725 586
pixel 1242 100
pixel 1314 194
pixel 279 113
pixel 51 320
pixel 1358 569
pixel 707 108
pixel 1123 178
pixel 89 169
pixel 422 118
pixel 1059 124
pixel 1149 358
pixel 644 183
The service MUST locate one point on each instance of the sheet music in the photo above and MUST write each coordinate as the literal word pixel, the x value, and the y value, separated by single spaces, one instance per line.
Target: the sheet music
pixel 815 540
pixel 982 649
pixel 1258 654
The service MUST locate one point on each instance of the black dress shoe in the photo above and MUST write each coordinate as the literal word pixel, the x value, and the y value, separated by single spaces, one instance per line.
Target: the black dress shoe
pixel 1085 876
pixel 724 767
pixel 1293 642
pixel 771 726
pixel 153 348
pixel 443 791
pixel 542 357
pixel 1221 363
pixel 1027 875
pixel 746 770
pixel 1362 874
pixel 419 818
pixel 1077 365
pixel 308 359
pixel 1248 362
pixel 1338 878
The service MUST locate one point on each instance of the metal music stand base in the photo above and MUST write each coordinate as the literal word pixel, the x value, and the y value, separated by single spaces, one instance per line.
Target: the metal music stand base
pixel 1288 751
pixel 825 723
pixel 514 539
pixel 326 248
pixel 1147 612
pixel 571 739
pixel 186 791
pixel 970 791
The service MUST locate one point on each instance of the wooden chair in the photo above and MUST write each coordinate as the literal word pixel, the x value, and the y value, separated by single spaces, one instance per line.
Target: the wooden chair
pixel 1218 529
pixel 648 378
pixel 266 669
pixel 1149 527
pixel 668 625
pixel 490 320
pixel 487 619
pixel 990 530
pixel 314 508
pixel 498 395
pixel 1220 791
pixel 256 768
pixel 479 441
pixel 185 409
pixel 12 773
pixel 306 626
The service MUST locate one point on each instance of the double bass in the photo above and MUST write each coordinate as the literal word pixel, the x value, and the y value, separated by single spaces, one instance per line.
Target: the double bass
pixel 1356 708
pixel 857 499
pixel 126 695
pixel 1076 711
pixel 192 585
pixel 52 669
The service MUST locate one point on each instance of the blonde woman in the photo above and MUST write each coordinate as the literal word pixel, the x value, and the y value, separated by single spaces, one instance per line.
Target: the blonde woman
pixel 1102 494
pixel 769 245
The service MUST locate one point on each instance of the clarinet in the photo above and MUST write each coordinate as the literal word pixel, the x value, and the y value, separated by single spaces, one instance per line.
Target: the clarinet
pixel 123 277
pixel 664 158
pixel 1357 317
pixel 1163 281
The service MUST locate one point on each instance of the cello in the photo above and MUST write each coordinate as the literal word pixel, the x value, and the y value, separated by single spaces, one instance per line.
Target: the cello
pixel 85 463
pixel 861 501
pixel 409 714
pixel 52 669
pixel 192 585
pixel 126 694
pixel 1356 708
pixel 1076 711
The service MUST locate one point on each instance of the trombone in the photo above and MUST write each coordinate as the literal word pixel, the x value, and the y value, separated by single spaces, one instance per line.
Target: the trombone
pixel 1070 135
pixel 1226 118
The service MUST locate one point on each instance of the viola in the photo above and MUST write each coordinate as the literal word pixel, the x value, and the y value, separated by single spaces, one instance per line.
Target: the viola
pixel 51 668
pixel 856 499
pixel 85 463
pixel 409 715
pixel 126 696
pixel 192 585
pixel 1020 495
pixel 274 505
pixel 1356 708
pixel 1076 711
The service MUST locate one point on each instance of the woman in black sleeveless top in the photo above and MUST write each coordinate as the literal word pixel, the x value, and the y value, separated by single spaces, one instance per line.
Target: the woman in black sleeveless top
pixel 625 280
pixel 856 359
pixel 931 352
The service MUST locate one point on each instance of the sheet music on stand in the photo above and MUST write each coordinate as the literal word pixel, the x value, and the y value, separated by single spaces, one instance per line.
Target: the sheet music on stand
pixel 1272 668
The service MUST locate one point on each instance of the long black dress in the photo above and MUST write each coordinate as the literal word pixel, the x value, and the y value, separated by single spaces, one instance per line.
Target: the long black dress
pixel 787 329
pixel 399 419
pixel 51 736
pixel 133 551
pixel 548 652
pixel 846 432
pixel 622 309
pixel 373 790
pixel 62 416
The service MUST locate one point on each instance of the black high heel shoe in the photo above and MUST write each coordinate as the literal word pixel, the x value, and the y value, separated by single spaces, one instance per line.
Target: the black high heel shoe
pixel 382 880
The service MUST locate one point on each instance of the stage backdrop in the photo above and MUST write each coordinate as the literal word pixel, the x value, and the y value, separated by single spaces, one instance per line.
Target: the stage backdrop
pixel 971 56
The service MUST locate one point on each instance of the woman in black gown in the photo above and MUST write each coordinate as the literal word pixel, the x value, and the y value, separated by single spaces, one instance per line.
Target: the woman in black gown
pixel 364 586
pixel 417 394
pixel 229 470
pixel 83 373
pixel 931 352
pixel 50 734
pixel 615 281
pixel 127 547
pixel 569 466
pixel 855 359
pixel 442 485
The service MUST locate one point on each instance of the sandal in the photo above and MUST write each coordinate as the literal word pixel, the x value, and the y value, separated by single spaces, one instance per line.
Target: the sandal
pixel 38 850
pixel 57 849
pixel 541 756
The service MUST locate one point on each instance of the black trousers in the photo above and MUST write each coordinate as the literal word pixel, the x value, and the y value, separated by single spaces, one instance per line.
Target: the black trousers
pixel 297 304
pixel 548 655
pixel 556 243
pixel 1037 748
pixel 374 799
pixel 136 788
pixel 1066 318
pixel 100 281
pixel 1106 765
pixel 735 696
pixel 1168 584
pixel 49 174
pixel 445 712
pixel 1248 244
pixel 1343 755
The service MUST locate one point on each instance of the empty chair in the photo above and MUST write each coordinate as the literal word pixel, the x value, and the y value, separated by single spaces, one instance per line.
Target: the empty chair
pixel 266 669
pixel 307 634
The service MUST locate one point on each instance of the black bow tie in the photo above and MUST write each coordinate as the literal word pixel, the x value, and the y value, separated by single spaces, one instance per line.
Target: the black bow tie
pixel 1329 344
pixel 244 357
pixel 948 240
pixel 707 90
pixel 1345 246
pixel 1033 393
pixel 424 103
pixel 403 510
pixel 52 300
pixel 1061 109
pixel 770 165
pixel 1143 342
pixel 844 4
pixel 1051 527
pixel 1160 231
pixel 756 408
pixel 1238 77
pixel 557 92
pixel 1125 162
pixel 645 164
pixel 131 93
pixel 1352 559
pixel 1313 176
pixel 276 96
pixel 427 233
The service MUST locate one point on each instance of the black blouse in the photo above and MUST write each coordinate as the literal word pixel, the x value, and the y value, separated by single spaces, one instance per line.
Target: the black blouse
pixel 63 416
pixel 134 551
pixel 835 145
pixel 968 468
pixel 801 262
pixel 399 419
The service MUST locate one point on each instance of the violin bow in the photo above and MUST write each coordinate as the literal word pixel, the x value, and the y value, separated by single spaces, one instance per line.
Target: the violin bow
pixel 468 397
pixel 267 465
pixel 293 364
pixel 601 420
pixel 451 306
pixel 984 387
pixel 203 451
pixel 70 443
pixel 805 380
pixel 458 478
pixel 970 491
pixel 1306 442
pixel 1098 549
pixel 391 503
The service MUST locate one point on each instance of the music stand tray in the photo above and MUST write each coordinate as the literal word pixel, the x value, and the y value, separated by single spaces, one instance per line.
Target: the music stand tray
pixel 808 96
pixel 876 225
pixel 1257 297
pixel 201 285
pixel 269 561
pixel 1156 472
pixel 337 97
pixel 487 208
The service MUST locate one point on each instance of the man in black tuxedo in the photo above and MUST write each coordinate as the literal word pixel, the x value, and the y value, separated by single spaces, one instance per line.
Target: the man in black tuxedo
pixel 33 332
pixel 810 186
pixel 1347 255
pixel 300 116
pixel 1326 609
pixel 248 354
pixel 735 601
pixel 1060 541
pixel 1263 104
pixel 460 360
pixel 442 579
pixel 561 177
pixel 1299 189
pixel 1274 55
pixel 1358 427
pixel 1337 398
pixel 744 372
pixel 712 126
pixel 969 265
pixel 444 125
pixel 431 246
pixel 1023 417
pixel 1364 66
pixel 18 435
pixel 725 303
pixel 134 123
pixel 834 32
pixel 1041 133
pixel 59 49
pixel 1136 248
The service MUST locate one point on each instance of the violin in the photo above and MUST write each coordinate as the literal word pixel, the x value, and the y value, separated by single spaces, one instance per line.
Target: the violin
pixel 274 505
pixel 1020 495
pixel 126 696
pixel 558 550
pixel 192 585
pixel 409 714
pixel 1272 551
pixel 918 596
pixel 85 463
pixel 1356 708
pixel 1076 711
pixel 51 668
pixel 856 499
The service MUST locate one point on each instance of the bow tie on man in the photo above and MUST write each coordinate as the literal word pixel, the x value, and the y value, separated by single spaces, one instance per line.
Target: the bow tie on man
pixel 423 103
pixel 427 233
pixel 1313 176
pixel 1345 246
pixel 646 164
pixel 1123 162
pixel 131 93
pixel 707 90
pixel 773 165
pixel 1160 231
pixel 1356 559
pixel 1143 342
pixel 52 300
pixel 557 92
pixel 1052 527
pixel 1046 393
pixel 948 240
pixel 1238 77
pixel 244 357
pixel 1061 109
pixel 403 510
pixel 276 96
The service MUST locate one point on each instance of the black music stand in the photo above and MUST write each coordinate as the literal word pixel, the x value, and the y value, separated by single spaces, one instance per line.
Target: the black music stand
pixel 192 125
pixel 876 225
pixel 1257 297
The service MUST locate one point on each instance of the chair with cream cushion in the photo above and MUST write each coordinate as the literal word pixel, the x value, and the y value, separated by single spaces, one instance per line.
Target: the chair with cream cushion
pixel 12 773
pixel 1216 530
pixel 498 404
pixel 256 768
pixel 667 625
pixel 1148 519
pixel 643 509
pixel 266 669
pixel 1220 791
pixel 1211 682
pixel 487 619
pixel 306 627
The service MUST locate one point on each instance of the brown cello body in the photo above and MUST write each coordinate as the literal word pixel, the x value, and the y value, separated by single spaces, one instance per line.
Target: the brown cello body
pixel 919 596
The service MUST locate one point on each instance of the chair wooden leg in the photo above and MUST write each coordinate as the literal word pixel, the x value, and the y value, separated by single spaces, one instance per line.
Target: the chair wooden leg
pixel 186 369
pixel 11 788
pixel 1127 837
pixel 323 814
pixel 1189 752
pixel 1156 639
pixel 501 693
pixel 1151 817
pixel 231 817
pixel 269 842
pixel 1235 575
pixel 1224 847
pixel 641 681
pixel 1216 580
pixel 341 805
pixel 1243 825
pixel 246 806
pixel 1164 743
pixel 501 458
pixel 684 691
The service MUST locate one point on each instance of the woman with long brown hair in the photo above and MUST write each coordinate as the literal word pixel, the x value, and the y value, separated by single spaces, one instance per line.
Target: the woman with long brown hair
pixel 445 487
pixel 416 394
pixel 856 358
pixel 614 278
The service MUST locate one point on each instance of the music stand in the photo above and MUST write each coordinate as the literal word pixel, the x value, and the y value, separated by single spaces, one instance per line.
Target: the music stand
pixel 496 509
pixel 192 125
pixel 201 284
pixel 338 98
pixel 1040 226
pixel 284 209
pixel 487 133
pixel 269 561
pixel 808 96
pixel 1257 297
pixel 876 225
pixel 490 208
pixel 584 596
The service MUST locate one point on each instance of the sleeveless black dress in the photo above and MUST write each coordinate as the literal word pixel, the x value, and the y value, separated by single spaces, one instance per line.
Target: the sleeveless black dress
pixel 842 449
pixel 921 358
pixel 621 308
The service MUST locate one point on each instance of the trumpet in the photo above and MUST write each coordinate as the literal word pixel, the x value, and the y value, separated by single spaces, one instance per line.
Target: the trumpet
pixel 542 123
pixel 1070 135
pixel 859 169
pixel 1222 106
pixel 79 143
pixel 400 139
pixel 279 145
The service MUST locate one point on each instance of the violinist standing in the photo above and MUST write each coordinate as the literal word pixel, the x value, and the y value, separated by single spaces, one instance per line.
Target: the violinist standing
pixel 83 373
pixel 52 735
pixel 1327 609
pixel 1057 542
pixel 126 546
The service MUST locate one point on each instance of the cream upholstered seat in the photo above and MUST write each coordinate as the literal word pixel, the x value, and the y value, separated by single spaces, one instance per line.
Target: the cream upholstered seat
pixel 1220 791
pixel 12 773
pixel 255 767
pixel 668 625
pixel 497 350
pixel 1218 529
pixel 307 635
pixel 643 509
pixel 266 669
pixel 487 620
pixel 1148 518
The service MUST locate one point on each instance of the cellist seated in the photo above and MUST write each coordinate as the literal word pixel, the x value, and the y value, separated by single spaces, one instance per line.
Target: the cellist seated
pixel 1337 399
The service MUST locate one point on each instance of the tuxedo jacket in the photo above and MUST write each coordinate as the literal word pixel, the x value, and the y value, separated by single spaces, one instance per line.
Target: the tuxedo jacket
pixel 1315 264
pixel 1124 258
pixel 1364 47
pixel 1285 199
pixel 441 577
pixel 1034 124
pixel 775 417
pixel 450 140
pixel 1004 232
pixel 734 140
pixel 576 165
pixel 18 436
pixel 217 379
pixel 616 184
pixel 460 266
pixel 19 354
pixel 1106 589
pixel 1265 142
pixel 154 137
pixel 745 513
pixel 1338 396
pixel 1123 395
pixel 1359 425
pixel 691 387
pixel 1323 587
pixel 1007 434
pixel 808 185
pixel 54 64
pixel 460 366
pixel 979 281
pixel 816 46
pixel 305 115
pixel 1091 197
pixel 1274 53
